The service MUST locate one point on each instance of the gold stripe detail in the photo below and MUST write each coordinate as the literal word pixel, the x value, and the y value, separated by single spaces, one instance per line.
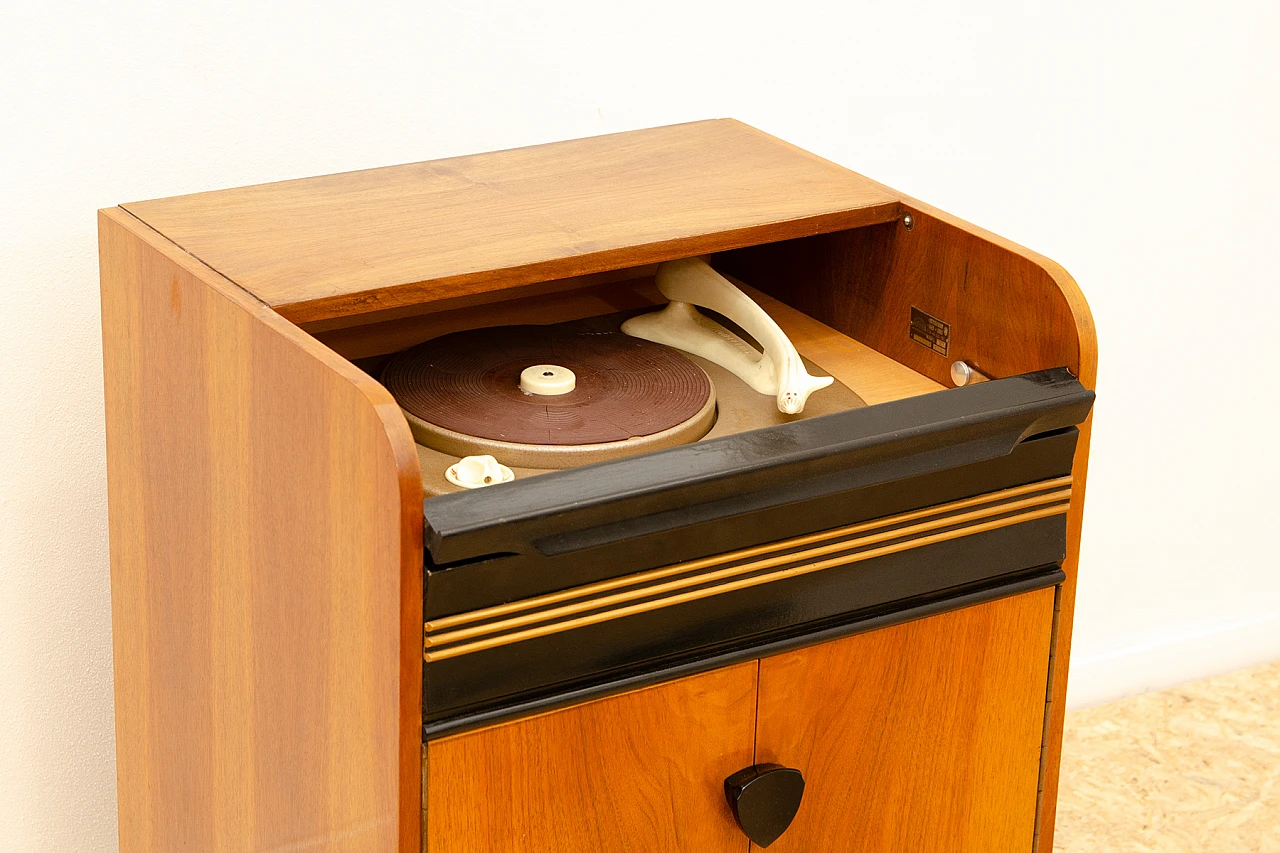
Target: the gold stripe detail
pixel 746 553
pixel 744 583
pixel 745 568
pixel 1034 506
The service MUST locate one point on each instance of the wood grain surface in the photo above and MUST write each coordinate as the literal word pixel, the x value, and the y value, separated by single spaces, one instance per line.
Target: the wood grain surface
pixel 265 522
pixel 640 771
pixel 920 737
pixel 380 239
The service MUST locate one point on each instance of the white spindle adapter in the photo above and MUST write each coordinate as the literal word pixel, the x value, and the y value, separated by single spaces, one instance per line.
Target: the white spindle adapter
pixel 548 380
pixel 778 371
pixel 474 472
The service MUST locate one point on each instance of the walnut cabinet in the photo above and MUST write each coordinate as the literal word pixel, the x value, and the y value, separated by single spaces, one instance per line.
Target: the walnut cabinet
pixel 850 632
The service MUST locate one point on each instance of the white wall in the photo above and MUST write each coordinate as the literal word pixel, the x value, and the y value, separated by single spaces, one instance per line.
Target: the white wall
pixel 1134 142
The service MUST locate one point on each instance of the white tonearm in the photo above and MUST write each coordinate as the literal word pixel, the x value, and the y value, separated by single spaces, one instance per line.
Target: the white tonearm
pixel 689 282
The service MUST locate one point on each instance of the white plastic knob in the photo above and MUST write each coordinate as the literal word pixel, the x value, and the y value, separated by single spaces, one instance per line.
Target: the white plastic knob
pixel 474 472
pixel 547 379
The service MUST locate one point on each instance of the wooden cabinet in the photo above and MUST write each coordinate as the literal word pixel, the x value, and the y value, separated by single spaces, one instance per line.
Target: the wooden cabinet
pixel 923 736
pixel 298 622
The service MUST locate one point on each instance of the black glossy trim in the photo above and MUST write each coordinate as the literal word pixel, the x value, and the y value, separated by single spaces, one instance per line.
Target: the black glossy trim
pixel 859 623
pixel 790 507
pixel 593 505
pixel 539 665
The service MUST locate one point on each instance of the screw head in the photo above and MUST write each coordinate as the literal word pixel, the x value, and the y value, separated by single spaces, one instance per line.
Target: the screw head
pixel 908 222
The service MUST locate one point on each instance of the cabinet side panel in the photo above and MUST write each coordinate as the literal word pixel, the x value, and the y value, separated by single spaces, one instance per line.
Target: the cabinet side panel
pixel 260 567
pixel 1007 310
pixel 640 771
pixel 924 736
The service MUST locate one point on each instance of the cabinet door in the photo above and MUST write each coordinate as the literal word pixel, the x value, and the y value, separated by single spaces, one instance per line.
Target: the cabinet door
pixel 640 771
pixel 918 738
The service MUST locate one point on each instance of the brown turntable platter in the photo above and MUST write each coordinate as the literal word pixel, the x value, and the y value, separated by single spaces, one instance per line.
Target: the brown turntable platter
pixel 462 394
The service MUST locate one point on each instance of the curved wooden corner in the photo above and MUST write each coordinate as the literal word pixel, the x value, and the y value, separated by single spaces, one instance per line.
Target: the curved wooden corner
pixel 1080 333
pixel 266 566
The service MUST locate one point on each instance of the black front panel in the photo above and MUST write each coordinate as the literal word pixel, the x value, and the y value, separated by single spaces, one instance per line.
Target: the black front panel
pixel 735 620
pixel 681 533
pixel 622 682
pixel 829 523
pixel 587 524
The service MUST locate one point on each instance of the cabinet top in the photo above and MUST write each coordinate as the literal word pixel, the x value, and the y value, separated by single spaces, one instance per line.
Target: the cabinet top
pixel 321 248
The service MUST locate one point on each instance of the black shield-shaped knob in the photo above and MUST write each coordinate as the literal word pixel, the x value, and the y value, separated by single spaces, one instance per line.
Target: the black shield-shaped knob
pixel 764 799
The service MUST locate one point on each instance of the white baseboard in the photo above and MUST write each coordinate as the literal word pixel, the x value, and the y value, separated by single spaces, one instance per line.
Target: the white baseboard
pixel 1177 660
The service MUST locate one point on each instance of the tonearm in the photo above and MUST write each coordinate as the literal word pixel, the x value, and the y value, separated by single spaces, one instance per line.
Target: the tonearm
pixel 778 370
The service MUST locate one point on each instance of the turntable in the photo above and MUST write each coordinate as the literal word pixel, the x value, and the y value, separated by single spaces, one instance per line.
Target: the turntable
pixel 671 490
pixel 559 395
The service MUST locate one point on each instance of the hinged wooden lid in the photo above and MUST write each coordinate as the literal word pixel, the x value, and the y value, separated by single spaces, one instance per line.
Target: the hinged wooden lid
pixel 353 243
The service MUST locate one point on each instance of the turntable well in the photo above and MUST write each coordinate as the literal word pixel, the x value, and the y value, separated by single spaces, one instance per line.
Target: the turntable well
pixel 861 375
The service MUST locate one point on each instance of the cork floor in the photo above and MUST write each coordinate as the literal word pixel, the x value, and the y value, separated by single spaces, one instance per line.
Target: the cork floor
pixel 1193 768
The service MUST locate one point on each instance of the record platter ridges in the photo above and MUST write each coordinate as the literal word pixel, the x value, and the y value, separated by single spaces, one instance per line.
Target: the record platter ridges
pixel 463 394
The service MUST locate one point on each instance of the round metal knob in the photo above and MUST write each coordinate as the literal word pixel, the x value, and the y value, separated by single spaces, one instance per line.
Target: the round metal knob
pixel 963 373
pixel 764 799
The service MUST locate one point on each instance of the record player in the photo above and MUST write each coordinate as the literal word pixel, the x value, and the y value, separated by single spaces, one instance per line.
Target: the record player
pixel 563 394
pixel 671 490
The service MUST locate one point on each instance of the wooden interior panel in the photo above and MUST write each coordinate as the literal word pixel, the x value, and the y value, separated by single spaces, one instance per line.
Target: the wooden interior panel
pixel 875 377
pixel 382 238
pixel 394 321
pixel 639 771
pixel 390 336
pixel 1005 312
pixel 265 520
pixel 923 736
